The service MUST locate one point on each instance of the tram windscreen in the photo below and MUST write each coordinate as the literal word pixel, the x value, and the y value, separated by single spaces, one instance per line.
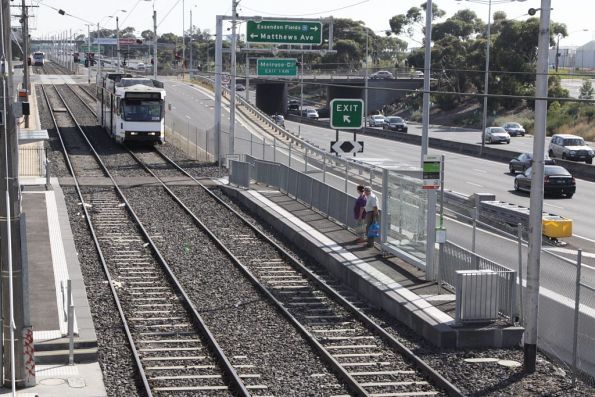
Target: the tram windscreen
pixel 138 110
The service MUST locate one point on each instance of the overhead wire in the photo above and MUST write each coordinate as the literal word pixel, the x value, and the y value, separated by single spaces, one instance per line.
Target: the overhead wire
pixel 307 14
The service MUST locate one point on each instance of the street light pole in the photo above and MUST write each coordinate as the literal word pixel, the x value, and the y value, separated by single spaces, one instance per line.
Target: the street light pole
pixel 183 40
pixel 118 43
pixel 366 84
pixel 536 196
pixel 484 122
pixel 88 52
pixel 190 42
pixel 155 44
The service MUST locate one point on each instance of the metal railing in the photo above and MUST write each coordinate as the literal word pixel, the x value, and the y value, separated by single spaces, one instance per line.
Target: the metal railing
pixel 453 258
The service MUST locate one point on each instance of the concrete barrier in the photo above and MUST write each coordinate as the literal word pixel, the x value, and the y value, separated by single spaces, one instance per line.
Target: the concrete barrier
pixel 579 170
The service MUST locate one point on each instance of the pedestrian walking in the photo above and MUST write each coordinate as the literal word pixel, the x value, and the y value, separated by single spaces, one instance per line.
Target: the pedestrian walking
pixel 371 209
pixel 359 213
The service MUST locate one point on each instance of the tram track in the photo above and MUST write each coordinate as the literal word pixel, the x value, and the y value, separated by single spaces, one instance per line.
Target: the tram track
pixel 363 355
pixel 172 348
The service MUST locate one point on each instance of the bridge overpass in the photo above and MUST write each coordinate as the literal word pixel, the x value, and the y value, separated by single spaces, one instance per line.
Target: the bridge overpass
pixel 272 93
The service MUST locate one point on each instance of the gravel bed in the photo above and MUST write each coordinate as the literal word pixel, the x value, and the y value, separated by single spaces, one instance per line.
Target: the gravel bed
pixel 474 379
pixel 115 357
pixel 241 320
pixel 194 168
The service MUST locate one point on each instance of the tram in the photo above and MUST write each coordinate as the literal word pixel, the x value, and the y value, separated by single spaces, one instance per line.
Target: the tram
pixel 38 58
pixel 130 108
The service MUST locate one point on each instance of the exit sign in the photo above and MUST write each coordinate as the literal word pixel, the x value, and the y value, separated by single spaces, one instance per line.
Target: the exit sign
pixel 276 67
pixel 347 114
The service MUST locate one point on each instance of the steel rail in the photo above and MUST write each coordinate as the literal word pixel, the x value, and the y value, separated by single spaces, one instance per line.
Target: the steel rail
pixel 348 379
pixel 98 247
pixel 432 374
pixel 228 369
pixel 418 362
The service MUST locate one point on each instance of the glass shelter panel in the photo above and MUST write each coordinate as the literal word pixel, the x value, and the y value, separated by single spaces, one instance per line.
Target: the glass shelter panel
pixel 407 203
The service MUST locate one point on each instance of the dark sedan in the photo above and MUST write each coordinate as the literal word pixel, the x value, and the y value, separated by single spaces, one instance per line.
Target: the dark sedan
pixel 514 129
pixel 523 161
pixel 395 123
pixel 557 180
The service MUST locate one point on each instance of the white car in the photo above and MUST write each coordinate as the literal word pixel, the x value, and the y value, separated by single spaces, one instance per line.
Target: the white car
pixel 376 120
pixel 496 135
pixel 310 114
pixel 140 66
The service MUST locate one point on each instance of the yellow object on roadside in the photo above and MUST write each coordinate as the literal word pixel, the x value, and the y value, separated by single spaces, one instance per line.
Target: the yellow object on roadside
pixel 555 226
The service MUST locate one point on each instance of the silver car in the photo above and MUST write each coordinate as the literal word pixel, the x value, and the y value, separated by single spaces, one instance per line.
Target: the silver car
pixel 376 120
pixel 496 135
pixel 570 147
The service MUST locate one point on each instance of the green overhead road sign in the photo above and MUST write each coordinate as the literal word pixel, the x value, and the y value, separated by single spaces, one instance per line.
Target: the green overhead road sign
pixel 347 114
pixel 276 67
pixel 284 32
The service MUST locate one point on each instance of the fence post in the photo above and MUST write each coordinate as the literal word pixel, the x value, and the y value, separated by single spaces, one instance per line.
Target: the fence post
pixel 520 254
pixel 346 174
pixel 289 161
pixel 474 229
pixel 251 140
pixel 323 167
pixel 70 323
pixel 305 159
pixel 207 145
pixel 48 184
pixel 577 300
pixel 196 141
pixel 274 150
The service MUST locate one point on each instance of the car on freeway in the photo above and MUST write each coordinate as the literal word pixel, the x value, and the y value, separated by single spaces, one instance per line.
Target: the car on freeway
pixel 310 114
pixel 382 74
pixel 514 129
pixel 395 123
pixel 240 87
pixel 524 161
pixel 556 180
pixel 376 120
pixel 140 66
pixel 570 147
pixel 496 135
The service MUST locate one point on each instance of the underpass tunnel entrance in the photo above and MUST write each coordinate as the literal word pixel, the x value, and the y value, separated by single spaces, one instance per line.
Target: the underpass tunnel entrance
pixel 344 92
pixel 271 98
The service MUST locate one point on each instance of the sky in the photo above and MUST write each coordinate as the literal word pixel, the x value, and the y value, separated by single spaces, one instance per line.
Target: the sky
pixel 173 15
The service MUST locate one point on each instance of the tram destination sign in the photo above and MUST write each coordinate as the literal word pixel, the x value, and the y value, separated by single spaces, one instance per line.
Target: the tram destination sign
pixel 284 32
pixel 276 67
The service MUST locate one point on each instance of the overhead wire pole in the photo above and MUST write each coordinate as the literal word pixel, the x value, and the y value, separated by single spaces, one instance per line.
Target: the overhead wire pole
pixel 88 52
pixel 154 44
pixel 183 40
pixel 536 199
pixel 25 17
pixel 118 43
pixel 484 122
pixel 13 310
pixel 218 71
pixel 431 194
pixel 232 86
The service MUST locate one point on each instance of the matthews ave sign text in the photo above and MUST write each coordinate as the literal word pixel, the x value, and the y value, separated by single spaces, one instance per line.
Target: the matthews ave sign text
pixel 276 67
pixel 347 113
pixel 284 32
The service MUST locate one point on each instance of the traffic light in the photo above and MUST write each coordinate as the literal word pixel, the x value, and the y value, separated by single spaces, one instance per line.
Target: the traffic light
pixel 139 41
pixel 152 61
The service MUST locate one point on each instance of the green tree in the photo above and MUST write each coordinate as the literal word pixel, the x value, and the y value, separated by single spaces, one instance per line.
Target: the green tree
pixel 586 90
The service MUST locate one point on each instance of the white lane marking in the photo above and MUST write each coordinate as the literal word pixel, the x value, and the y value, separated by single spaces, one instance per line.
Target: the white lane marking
pixel 585 238
pixel 552 205
pixel 570 251
pixel 188 117
pixel 480 171
pixel 474 184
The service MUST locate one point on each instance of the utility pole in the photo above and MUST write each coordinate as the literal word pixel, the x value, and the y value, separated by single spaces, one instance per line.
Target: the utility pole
pixel 13 311
pixel 25 18
pixel 218 89
pixel 536 199
pixel 118 42
pixel 190 42
pixel 98 53
pixel 89 52
pixel 232 86
pixel 183 39
pixel 155 44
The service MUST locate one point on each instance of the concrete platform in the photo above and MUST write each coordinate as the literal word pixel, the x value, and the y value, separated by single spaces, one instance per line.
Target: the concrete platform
pixel 387 282
pixel 51 259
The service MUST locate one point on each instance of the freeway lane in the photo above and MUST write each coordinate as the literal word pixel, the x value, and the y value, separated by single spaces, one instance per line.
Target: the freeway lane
pixel 469 175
